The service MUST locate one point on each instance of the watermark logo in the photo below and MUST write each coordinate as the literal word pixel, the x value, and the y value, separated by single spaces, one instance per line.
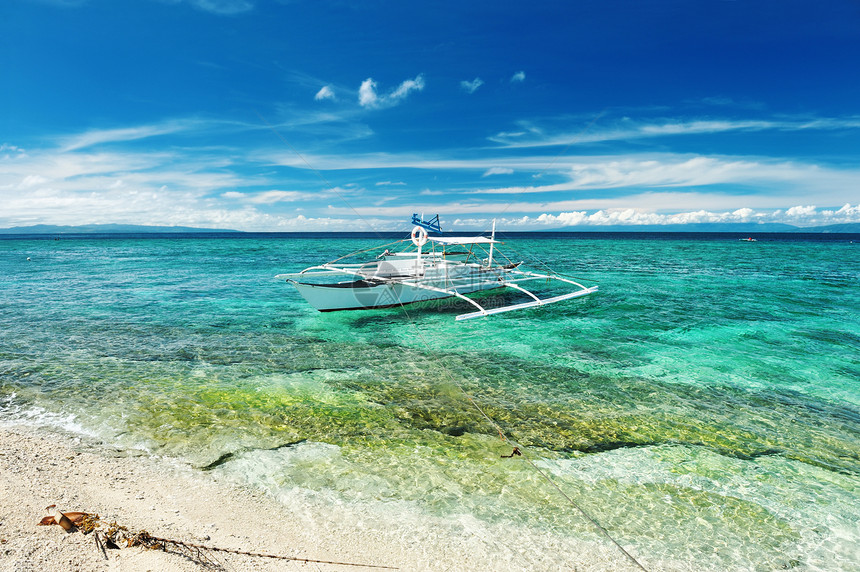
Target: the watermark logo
pixel 376 288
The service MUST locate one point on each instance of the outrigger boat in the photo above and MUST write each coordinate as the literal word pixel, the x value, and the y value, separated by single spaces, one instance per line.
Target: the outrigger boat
pixel 426 268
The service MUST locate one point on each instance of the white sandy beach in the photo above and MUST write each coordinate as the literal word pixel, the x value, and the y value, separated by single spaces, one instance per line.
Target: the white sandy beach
pixel 38 469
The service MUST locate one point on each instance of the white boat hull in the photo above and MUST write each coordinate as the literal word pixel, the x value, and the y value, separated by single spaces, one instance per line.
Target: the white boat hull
pixel 362 295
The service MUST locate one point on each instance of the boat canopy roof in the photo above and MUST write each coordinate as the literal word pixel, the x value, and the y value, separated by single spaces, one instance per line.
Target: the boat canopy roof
pixel 462 240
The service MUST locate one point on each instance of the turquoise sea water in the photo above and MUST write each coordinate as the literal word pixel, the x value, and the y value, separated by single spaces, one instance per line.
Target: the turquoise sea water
pixel 704 406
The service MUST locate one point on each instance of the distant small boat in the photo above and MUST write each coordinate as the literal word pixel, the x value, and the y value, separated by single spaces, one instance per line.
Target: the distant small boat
pixel 448 267
pixel 748 239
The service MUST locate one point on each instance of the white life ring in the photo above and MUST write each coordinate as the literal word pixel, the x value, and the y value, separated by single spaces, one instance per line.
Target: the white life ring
pixel 419 236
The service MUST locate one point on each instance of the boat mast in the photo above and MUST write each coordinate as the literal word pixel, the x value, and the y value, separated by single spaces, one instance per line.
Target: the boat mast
pixel 493 238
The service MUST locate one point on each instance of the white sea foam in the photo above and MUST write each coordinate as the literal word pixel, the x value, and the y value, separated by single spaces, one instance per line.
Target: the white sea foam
pixel 12 412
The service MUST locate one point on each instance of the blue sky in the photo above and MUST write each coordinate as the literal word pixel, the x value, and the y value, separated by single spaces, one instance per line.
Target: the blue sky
pixel 290 115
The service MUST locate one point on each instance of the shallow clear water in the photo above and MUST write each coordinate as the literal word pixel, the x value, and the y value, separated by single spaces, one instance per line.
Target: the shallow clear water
pixel 703 406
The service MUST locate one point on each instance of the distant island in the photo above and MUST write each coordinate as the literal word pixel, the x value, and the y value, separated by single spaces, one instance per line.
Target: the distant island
pixel 849 227
pixel 105 229
pixel 739 227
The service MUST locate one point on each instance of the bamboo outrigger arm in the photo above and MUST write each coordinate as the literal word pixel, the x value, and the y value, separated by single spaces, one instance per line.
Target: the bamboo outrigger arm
pixel 524 305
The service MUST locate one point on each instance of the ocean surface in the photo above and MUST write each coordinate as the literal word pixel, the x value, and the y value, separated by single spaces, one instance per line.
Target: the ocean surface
pixel 703 407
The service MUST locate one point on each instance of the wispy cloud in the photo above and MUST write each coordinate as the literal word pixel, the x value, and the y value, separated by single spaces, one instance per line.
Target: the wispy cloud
pixel 73 187
pixel 223 7
pixel 580 173
pixel 472 86
pixel 531 135
pixel 667 171
pixel 369 98
pixel 103 176
pixel 8 152
pixel 518 77
pixel 498 171
pixel 269 197
pixel 100 136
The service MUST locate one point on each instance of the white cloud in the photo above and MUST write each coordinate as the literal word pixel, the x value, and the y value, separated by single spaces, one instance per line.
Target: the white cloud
pixel 810 215
pixel 325 93
pixel 801 211
pixel 367 93
pixel 472 86
pixel 798 215
pixel 498 171
pixel 519 76
pixel 367 96
pixel 847 213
